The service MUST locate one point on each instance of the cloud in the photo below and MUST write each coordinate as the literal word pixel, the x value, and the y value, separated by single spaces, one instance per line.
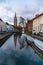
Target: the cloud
pixel 31 9
pixel 2 1
pixel 7 14
pixel 8 19
pixel 27 11
pixel 25 8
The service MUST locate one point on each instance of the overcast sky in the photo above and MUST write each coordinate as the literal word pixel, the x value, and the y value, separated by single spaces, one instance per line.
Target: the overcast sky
pixel 25 8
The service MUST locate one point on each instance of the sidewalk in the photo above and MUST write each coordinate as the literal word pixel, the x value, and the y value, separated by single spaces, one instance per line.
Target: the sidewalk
pixel 3 35
pixel 37 37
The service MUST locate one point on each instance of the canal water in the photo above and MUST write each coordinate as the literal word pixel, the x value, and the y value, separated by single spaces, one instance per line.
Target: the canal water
pixel 16 52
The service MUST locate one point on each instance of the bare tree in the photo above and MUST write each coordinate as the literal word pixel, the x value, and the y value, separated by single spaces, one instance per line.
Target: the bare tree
pixel 22 21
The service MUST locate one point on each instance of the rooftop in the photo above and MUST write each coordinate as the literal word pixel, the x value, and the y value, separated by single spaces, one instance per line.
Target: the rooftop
pixel 38 15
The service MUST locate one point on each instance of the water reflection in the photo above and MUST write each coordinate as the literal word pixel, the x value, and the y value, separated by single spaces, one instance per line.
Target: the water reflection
pixel 18 41
pixel 23 57
pixel 10 55
pixel 15 40
pixel 37 52
pixel 22 41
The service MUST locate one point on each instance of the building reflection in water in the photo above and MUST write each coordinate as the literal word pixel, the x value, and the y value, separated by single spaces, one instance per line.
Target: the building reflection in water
pixel 22 41
pixel 15 40
pixel 18 40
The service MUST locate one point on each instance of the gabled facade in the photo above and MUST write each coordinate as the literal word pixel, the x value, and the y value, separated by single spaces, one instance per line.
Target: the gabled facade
pixel 38 24
pixel 2 25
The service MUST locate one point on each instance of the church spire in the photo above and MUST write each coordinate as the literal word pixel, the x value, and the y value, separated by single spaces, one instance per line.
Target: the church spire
pixel 15 14
pixel 15 20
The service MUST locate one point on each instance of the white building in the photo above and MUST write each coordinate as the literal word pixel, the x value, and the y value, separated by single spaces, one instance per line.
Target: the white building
pixel 2 25
pixel 38 24
pixel 5 27
pixel 9 27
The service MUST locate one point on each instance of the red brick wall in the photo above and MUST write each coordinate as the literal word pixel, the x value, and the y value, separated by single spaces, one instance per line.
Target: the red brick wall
pixel 30 23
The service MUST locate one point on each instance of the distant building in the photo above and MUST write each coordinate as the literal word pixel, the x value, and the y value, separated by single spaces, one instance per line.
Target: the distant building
pixel 29 25
pixel 5 27
pixel 2 25
pixel 38 24
pixel 9 28
pixel 15 20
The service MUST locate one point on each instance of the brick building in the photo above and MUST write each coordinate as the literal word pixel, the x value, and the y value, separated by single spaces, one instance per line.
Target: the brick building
pixel 30 25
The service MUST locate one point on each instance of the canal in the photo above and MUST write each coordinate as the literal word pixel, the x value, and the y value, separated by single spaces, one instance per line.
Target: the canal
pixel 16 52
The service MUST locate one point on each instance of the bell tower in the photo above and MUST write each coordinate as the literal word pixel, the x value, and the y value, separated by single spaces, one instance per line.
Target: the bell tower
pixel 15 20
